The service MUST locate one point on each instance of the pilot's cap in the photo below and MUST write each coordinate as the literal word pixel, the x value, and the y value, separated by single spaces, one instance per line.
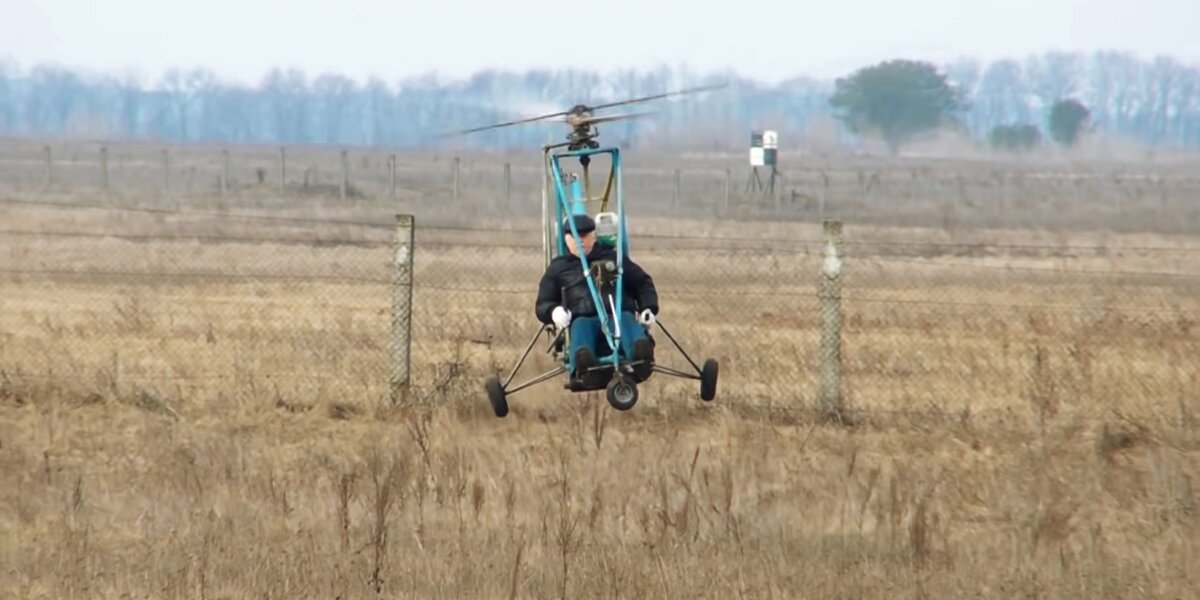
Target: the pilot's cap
pixel 583 224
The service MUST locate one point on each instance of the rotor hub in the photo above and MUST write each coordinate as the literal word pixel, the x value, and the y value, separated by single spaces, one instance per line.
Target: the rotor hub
pixel 582 119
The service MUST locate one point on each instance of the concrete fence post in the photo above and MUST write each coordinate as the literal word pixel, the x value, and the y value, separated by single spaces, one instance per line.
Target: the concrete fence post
pixel 402 283
pixel 831 330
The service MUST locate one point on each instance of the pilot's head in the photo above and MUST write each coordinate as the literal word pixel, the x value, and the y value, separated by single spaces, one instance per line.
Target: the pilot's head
pixel 587 233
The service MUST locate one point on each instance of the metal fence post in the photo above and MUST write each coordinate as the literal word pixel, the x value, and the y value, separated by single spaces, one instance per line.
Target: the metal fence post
pixel 402 280
pixel 282 171
pixel 831 330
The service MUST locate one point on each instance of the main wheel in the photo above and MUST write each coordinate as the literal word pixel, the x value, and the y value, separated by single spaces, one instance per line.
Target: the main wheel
pixel 622 393
pixel 495 394
pixel 708 380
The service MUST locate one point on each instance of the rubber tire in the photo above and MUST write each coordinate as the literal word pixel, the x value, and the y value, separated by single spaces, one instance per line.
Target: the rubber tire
pixel 708 380
pixel 614 389
pixel 496 397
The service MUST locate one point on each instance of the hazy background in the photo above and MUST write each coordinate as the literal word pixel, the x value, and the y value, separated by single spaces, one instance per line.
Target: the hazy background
pixel 394 74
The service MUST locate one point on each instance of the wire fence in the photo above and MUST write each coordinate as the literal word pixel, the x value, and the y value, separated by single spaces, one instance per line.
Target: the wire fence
pixel 180 307
pixel 909 192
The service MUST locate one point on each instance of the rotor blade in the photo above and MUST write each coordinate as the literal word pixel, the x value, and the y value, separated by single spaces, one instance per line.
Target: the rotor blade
pixel 506 124
pixel 703 88
pixel 607 118
pixel 564 113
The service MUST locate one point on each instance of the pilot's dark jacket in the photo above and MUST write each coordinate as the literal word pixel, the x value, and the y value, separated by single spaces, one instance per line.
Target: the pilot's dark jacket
pixel 564 284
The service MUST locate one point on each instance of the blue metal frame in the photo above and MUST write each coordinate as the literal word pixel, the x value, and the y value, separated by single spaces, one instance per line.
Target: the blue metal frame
pixel 572 201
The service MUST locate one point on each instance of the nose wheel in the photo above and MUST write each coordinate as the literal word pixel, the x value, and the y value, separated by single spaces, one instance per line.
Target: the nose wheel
pixel 622 392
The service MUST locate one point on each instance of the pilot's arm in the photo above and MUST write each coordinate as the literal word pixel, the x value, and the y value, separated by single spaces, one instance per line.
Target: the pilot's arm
pixel 642 286
pixel 549 295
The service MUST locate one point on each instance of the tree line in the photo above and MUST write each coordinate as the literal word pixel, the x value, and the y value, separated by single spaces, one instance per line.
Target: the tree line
pixel 1008 102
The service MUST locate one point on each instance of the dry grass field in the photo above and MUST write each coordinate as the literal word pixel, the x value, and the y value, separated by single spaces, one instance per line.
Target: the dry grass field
pixel 194 401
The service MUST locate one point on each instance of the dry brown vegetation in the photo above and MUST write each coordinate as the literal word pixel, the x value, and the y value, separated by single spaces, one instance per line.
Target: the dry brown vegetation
pixel 196 405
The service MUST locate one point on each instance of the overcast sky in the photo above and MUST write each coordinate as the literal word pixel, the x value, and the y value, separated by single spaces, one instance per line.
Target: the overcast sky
pixel 765 39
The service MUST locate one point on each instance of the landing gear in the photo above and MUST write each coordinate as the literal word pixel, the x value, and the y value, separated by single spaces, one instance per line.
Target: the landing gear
pixel 622 392
pixel 706 374
pixel 623 378
pixel 496 396
pixel 708 380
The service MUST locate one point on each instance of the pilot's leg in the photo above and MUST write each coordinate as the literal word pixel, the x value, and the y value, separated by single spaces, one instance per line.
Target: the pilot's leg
pixel 636 345
pixel 584 331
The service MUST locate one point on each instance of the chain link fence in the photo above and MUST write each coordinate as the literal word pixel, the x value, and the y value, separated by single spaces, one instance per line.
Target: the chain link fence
pixel 914 192
pixel 172 308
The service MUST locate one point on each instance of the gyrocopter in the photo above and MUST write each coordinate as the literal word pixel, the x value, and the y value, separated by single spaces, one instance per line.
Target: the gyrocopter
pixel 611 361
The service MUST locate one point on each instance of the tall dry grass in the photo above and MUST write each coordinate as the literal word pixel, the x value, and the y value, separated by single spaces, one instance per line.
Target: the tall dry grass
pixel 202 411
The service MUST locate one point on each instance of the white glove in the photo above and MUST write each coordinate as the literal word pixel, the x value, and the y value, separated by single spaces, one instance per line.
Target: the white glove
pixel 646 318
pixel 561 317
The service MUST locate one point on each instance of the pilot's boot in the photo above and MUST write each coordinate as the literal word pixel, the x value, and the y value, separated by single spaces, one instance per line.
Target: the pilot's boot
pixel 643 353
pixel 584 361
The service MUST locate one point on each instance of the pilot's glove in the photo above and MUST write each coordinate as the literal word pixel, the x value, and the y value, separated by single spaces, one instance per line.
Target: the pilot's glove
pixel 561 317
pixel 646 317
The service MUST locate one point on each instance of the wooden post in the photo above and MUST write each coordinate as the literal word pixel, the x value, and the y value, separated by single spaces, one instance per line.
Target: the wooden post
pixel 507 185
pixel 104 168
pixel 1002 209
pixel 824 196
pixel 166 172
pixel 345 173
pixel 776 192
pixel 1161 217
pixel 728 183
pixel 831 331
pixel 950 207
pixel 402 283
pixel 675 194
pixel 224 172
pixel 282 171
pixel 454 193
pixel 49 170
pixel 392 176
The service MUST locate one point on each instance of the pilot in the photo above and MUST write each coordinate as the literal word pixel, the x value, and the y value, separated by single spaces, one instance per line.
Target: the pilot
pixel 564 299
